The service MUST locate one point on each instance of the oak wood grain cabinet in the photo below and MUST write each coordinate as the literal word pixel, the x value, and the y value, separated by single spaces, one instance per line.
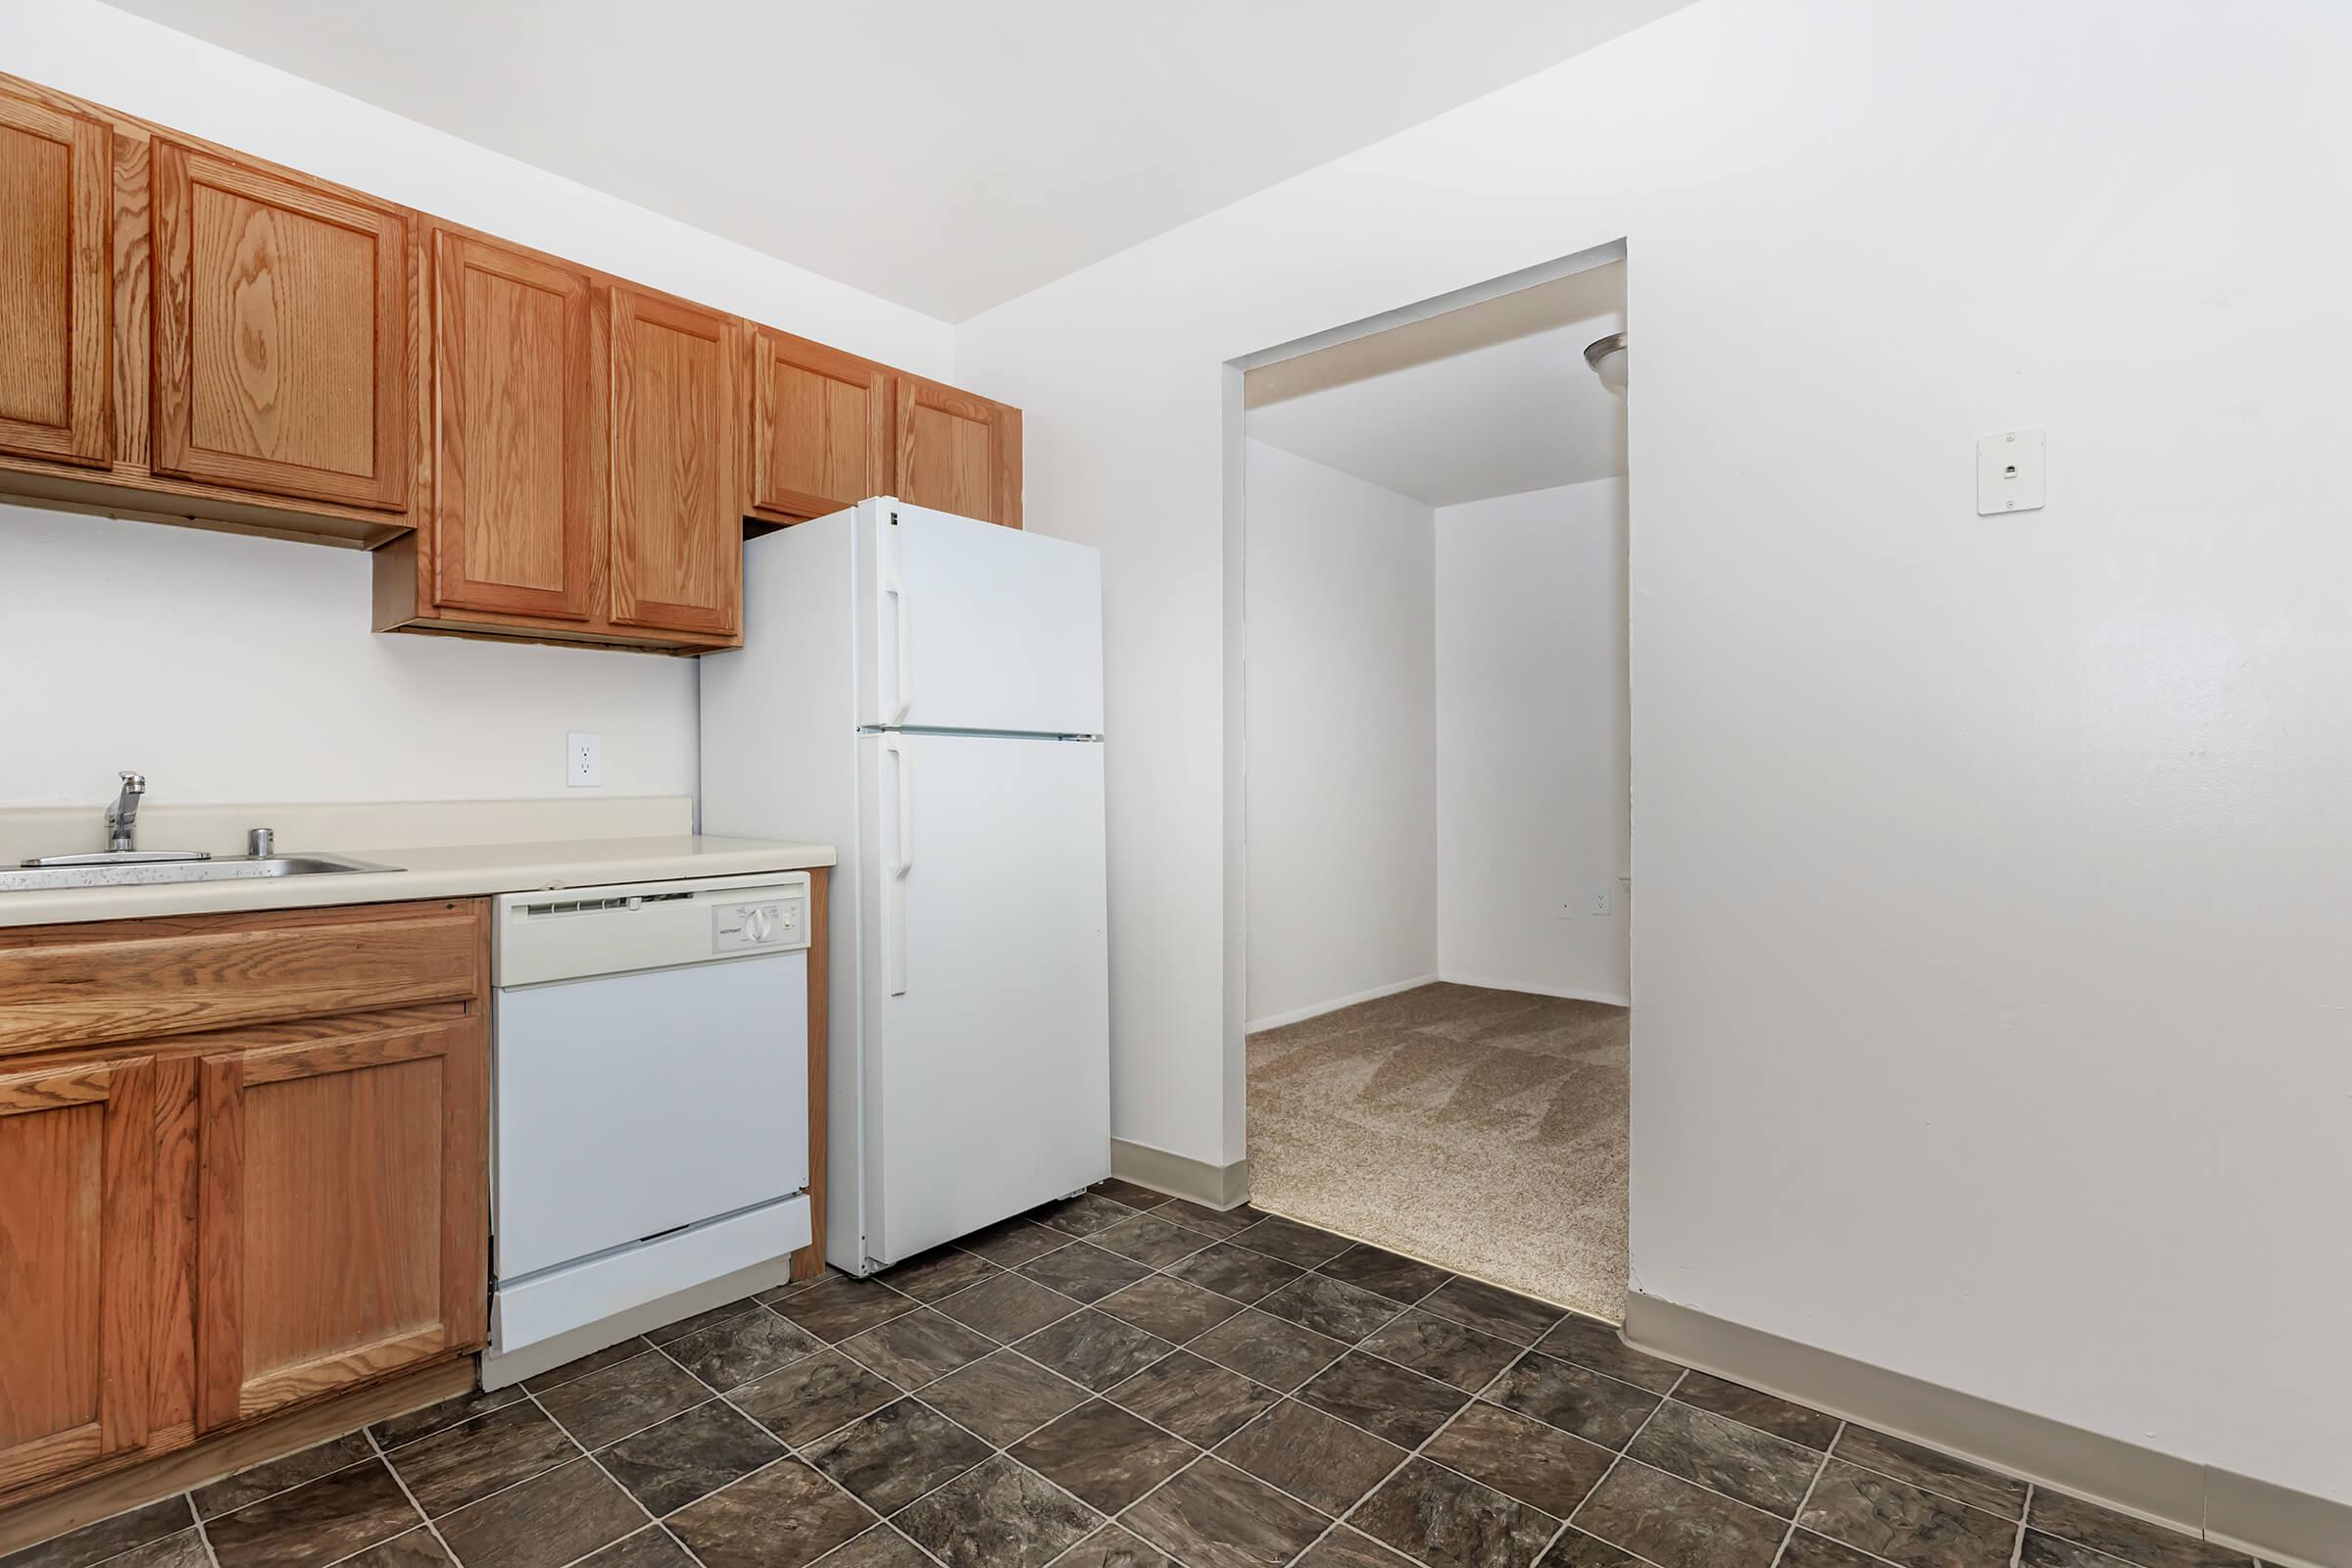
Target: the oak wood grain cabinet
pixel 958 452
pixel 56 283
pixel 819 438
pixel 676 523
pixel 281 332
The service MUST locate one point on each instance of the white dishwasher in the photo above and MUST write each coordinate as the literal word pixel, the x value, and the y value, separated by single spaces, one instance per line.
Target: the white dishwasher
pixel 650 1106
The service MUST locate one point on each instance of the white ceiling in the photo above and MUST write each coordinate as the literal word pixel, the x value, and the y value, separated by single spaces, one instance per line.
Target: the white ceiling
pixel 1489 400
pixel 939 153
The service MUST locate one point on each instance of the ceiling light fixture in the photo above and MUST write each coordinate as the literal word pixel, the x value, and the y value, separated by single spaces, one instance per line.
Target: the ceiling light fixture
pixel 1606 356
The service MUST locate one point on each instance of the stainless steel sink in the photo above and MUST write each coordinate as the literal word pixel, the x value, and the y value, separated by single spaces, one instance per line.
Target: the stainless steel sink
pixel 130 871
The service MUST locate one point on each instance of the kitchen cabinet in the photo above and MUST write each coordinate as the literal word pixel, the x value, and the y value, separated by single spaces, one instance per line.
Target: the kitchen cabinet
pixel 281 332
pixel 958 452
pixel 56 283
pixel 819 438
pixel 676 528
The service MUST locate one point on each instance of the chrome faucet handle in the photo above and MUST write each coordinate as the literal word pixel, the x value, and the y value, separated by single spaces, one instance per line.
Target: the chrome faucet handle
pixel 122 818
pixel 261 843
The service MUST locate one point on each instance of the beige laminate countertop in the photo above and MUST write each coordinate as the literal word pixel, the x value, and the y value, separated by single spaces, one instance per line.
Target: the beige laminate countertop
pixel 461 870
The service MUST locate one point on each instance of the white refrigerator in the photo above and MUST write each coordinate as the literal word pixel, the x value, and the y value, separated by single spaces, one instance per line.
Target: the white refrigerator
pixel 924 692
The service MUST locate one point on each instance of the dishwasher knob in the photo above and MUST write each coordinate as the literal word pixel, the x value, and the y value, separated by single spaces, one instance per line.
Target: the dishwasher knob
pixel 757 925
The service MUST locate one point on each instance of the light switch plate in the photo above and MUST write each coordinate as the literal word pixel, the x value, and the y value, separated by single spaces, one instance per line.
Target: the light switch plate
pixel 2011 472
pixel 583 759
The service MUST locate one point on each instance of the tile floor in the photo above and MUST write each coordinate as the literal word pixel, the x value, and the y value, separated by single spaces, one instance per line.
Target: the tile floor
pixel 1124 1381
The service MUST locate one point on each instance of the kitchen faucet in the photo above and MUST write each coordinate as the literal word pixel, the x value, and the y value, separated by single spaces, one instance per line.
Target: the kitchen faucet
pixel 122 818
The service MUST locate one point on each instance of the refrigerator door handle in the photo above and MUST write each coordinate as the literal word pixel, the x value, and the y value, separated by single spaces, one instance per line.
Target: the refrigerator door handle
pixel 894 893
pixel 894 588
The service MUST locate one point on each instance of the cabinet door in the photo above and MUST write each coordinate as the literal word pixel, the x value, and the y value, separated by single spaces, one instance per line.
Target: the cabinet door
pixel 518 438
pixel 281 342
pixel 821 428
pixel 341 1216
pixel 958 452
pixel 676 556
pixel 76 1266
pixel 56 283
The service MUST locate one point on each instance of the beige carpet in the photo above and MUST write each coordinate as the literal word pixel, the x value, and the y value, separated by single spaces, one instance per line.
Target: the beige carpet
pixel 1481 1130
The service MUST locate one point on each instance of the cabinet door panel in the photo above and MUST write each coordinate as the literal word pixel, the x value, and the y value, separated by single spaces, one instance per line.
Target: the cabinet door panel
pixel 56 283
pixel 280 334
pixel 821 428
pixel 676 556
pixel 342 1213
pixel 518 459
pixel 76 1266
pixel 958 452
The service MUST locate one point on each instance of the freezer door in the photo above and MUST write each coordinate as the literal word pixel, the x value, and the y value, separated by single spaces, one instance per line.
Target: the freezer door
pixel 978 627
pixel 986 1067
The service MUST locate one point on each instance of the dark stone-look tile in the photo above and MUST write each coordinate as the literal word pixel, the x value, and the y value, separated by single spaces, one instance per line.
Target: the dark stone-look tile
pixel 937 1274
pixel 810 1397
pixel 1591 1343
pixel 1113 1547
pixel 1491 1309
pixel 446 1412
pixel 1236 1271
pixel 1345 1311
pixel 785 1516
pixel 1008 1307
pixel 650 1547
pixel 229 1495
pixel 1279 1354
pixel 702 1320
pixel 182 1550
pixel 732 1351
pixel 1085 1272
pixel 470 1460
pixel 1300 1245
pixel 1805 1549
pixel 1575 1550
pixel 1150 1239
pixel 108 1538
pixel 914 1350
pixel 1197 1400
pixel 776 1293
pixel 2037 1551
pixel 1923 1466
pixel 1678 1523
pixel 879 1547
pixel 897 1455
pixel 1129 1193
pixel 1443 1518
pixel 1083 1216
pixel 319 1521
pixel 2119 1535
pixel 1169 1307
pixel 1013 1243
pixel 688 1457
pixel 1766 1413
pixel 1521 1456
pixel 1103 1456
pixel 1345 1549
pixel 1598 1409
pixel 421 1549
pixel 1315 1457
pixel 1757 1468
pixel 1093 1349
pixel 543 1523
pixel 1904 1523
pixel 999 1516
pixel 1383 1398
pixel 1447 1351
pixel 838 1307
pixel 1004 1397
pixel 571 1371
pixel 1222 1223
pixel 1399 1278
pixel 607 1406
pixel 1215 1516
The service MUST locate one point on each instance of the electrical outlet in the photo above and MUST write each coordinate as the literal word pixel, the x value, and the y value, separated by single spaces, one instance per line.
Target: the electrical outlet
pixel 583 759
pixel 1600 902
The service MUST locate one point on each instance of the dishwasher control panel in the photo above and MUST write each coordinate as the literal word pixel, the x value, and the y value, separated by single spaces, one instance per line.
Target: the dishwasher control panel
pixel 759 924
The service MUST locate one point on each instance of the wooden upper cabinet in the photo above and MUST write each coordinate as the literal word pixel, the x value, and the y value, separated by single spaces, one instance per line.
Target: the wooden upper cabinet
pixel 676 525
pixel 518 434
pixel 342 1213
pixel 78 1271
pixel 56 283
pixel 819 436
pixel 958 452
pixel 281 341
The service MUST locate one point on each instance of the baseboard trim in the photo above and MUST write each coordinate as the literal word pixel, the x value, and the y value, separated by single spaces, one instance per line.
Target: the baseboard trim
pixel 1318 1009
pixel 1179 1175
pixel 1614 999
pixel 2282 1525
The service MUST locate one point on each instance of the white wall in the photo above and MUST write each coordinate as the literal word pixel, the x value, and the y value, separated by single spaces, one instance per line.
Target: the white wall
pixel 1342 712
pixel 242 669
pixel 1533 809
pixel 1992 921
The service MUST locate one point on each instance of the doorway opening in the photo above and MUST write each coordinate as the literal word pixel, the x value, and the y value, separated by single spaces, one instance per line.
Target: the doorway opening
pixel 1436 793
